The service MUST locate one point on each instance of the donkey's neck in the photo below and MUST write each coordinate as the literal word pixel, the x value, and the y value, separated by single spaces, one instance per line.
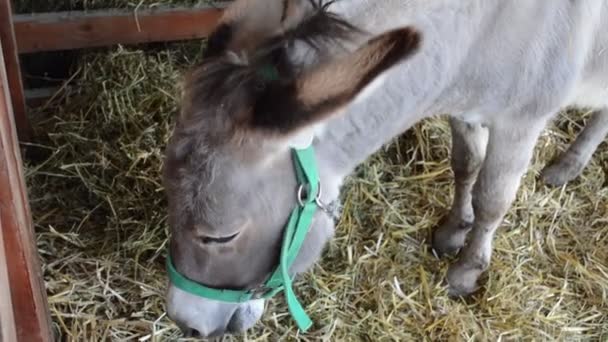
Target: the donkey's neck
pixel 349 140
pixel 406 94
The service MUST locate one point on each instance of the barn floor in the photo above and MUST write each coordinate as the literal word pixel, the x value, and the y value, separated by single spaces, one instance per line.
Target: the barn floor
pixel 100 216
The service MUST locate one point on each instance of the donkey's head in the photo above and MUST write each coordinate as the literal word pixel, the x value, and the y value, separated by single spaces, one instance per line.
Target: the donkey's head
pixel 229 175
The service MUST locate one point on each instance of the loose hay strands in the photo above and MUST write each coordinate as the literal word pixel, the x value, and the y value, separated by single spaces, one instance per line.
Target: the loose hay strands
pixel 100 215
pixel 97 200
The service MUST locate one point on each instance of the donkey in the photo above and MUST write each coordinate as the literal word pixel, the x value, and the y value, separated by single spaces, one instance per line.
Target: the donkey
pixel 348 77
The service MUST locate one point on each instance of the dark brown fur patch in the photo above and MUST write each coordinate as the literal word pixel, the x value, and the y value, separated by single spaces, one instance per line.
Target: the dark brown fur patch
pixel 218 42
pixel 323 28
pixel 318 29
pixel 220 91
pixel 287 107
pixel 285 10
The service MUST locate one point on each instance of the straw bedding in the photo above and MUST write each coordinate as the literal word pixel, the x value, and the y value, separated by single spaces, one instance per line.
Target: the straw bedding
pixel 100 217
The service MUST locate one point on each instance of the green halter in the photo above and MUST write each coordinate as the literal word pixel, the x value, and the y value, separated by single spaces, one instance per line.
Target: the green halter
pixel 295 233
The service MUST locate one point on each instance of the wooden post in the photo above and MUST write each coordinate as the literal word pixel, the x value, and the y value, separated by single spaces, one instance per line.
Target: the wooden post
pixel 19 253
pixel 8 331
pixel 13 71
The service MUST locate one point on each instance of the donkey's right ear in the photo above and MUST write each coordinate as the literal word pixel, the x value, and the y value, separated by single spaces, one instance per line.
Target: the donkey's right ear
pixel 288 108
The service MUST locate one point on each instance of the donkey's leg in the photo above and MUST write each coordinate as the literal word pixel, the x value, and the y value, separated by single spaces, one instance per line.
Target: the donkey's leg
pixel 570 164
pixel 469 143
pixel 509 151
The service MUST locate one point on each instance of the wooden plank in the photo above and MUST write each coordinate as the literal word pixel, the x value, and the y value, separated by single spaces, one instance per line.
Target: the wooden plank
pixel 76 30
pixel 8 331
pixel 30 311
pixel 11 59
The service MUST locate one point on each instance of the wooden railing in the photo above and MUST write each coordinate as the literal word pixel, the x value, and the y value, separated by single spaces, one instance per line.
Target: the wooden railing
pixel 76 30
pixel 28 33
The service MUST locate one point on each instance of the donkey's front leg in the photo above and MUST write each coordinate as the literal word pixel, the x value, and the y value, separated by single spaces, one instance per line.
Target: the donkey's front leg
pixel 469 143
pixel 509 151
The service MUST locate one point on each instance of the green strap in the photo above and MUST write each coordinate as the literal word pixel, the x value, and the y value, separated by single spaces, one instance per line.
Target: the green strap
pixel 298 234
pixel 185 284
pixel 269 72
pixel 307 171
pixel 294 236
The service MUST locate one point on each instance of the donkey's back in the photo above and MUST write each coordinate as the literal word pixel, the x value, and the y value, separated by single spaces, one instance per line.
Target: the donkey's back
pixel 496 56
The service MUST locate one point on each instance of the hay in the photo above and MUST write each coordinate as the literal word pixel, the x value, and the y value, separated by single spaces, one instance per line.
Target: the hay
pixel 100 215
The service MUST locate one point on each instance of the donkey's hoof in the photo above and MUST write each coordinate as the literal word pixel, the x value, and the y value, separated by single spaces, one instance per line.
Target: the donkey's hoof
pixel 562 171
pixel 450 237
pixel 462 280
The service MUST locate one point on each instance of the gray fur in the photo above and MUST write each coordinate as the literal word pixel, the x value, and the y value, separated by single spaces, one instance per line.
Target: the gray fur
pixel 501 68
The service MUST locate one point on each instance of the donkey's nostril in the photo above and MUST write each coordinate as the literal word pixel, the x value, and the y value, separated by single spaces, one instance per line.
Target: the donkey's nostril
pixel 193 333
pixel 189 332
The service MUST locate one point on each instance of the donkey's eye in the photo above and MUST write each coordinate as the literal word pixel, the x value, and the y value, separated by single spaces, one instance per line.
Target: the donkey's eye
pixel 224 239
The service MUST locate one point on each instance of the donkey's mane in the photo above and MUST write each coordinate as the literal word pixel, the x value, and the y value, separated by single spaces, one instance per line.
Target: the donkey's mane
pixel 322 28
pixel 234 82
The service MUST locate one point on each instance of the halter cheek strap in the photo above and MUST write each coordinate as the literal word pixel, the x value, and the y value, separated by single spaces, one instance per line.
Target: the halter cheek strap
pixel 297 228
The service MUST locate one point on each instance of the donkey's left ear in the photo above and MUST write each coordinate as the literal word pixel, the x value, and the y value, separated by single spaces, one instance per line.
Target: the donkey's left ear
pixel 246 24
pixel 287 109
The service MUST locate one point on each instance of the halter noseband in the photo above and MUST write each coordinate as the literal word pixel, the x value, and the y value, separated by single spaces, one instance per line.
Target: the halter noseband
pixel 309 192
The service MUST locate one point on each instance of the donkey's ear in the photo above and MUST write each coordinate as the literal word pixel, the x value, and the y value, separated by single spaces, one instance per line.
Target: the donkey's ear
pixel 315 96
pixel 245 24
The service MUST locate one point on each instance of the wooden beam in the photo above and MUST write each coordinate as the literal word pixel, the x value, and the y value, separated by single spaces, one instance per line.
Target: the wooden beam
pixel 30 309
pixel 76 30
pixel 13 71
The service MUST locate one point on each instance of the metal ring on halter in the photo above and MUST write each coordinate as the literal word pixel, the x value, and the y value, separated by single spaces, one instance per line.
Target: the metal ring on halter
pixel 302 200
